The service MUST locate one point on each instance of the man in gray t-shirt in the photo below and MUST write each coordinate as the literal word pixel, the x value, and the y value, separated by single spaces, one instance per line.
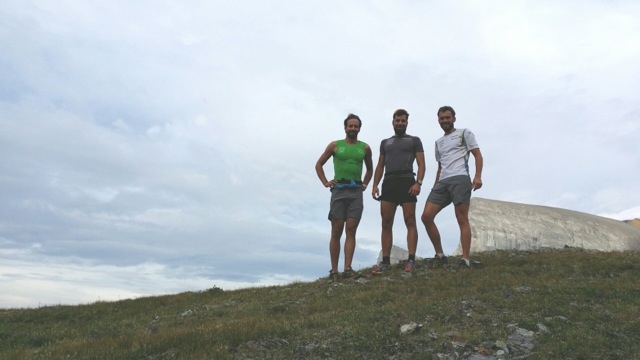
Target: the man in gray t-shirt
pixel 453 182
pixel 400 187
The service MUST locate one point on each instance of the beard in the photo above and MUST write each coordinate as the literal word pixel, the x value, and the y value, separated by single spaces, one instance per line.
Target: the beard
pixel 352 135
pixel 447 127
pixel 400 131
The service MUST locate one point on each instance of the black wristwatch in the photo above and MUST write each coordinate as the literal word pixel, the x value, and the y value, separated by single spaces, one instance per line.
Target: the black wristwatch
pixel 419 182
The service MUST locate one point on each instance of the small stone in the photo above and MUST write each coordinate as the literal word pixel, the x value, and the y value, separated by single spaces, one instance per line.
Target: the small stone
pixel 543 329
pixel 465 308
pixel 310 347
pixel 522 338
pixel 524 332
pixel 457 344
pixel 408 328
pixel 452 334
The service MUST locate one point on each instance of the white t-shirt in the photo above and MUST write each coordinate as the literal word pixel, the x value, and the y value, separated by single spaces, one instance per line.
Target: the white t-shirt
pixel 452 151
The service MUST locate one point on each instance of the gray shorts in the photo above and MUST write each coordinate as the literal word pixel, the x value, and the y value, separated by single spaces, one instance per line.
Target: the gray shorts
pixel 346 203
pixel 455 189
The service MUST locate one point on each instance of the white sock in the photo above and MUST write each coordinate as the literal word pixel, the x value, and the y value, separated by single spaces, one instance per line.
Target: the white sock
pixel 466 261
pixel 440 255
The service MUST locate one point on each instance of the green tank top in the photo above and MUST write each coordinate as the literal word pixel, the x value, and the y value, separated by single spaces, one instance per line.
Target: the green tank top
pixel 347 161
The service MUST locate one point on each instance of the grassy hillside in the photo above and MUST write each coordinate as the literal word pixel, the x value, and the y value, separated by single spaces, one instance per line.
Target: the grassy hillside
pixel 566 304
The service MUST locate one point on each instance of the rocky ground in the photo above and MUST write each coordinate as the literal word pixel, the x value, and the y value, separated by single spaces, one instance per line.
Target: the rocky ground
pixel 519 344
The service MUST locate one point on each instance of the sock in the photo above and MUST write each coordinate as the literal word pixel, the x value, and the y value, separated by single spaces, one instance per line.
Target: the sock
pixel 386 259
pixel 466 261
pixel 440 255
pixel 412 257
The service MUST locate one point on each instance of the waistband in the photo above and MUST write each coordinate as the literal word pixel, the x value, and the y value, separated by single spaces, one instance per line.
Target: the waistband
pixel 399 173
pixel 348 184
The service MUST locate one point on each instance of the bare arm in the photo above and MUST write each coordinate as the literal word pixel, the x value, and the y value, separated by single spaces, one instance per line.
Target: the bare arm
pixel 326 155
pixel 438 173
pixel 415 188
pixel 477 179
pixel 368 163
pixel 375 192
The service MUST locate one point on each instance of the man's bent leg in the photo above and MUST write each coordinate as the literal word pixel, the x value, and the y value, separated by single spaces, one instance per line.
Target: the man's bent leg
pixel 388 213
pixel 337 225
pixel 428 219
pixel 462 215
pixel 409 213
pixel 350 241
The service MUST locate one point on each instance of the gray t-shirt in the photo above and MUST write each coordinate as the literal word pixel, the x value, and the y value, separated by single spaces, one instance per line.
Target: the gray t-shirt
pixel 399 154
pixel 452 151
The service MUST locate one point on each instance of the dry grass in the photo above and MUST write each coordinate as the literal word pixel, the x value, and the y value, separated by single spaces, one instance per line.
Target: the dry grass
pixel 588 301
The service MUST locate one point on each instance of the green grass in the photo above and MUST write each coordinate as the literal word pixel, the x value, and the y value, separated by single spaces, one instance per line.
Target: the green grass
pixel 589 301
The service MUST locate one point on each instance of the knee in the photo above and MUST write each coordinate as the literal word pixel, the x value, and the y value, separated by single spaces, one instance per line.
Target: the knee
pixel 336 231
pixel 464 224
pixel 410 220
pixel 387 224
pixel 427 218
pixel 462 219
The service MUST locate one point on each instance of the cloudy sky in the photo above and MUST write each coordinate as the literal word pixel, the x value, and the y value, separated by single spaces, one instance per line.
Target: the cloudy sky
pixel 155 147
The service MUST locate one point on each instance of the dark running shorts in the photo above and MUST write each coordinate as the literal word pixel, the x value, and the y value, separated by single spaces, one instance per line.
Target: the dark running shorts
pixel 346 203
pixel 455 189
pixel 396 190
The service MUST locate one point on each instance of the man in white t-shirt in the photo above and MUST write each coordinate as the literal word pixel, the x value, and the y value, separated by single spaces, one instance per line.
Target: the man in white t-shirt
pixel 453 183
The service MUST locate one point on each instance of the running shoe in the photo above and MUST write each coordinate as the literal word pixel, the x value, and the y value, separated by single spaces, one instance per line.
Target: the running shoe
pixel 349 273
pixel 438 262
pixel 409 266
pixel 380 268
pixel 471 265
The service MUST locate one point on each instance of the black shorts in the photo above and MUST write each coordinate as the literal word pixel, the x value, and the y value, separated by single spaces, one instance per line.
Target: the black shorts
pixel 396 190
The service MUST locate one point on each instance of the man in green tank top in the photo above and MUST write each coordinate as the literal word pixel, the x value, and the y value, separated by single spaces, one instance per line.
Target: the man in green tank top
pixel 347 185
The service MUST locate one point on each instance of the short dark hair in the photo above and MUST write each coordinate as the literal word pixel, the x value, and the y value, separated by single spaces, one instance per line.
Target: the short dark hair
pixel 446 108
pixel 352 116
pixel 401 112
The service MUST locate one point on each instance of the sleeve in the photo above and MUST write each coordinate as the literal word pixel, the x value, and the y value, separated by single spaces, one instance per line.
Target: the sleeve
pixel 417 145
pixel 436 152
pixel 470 140
pixel 382 148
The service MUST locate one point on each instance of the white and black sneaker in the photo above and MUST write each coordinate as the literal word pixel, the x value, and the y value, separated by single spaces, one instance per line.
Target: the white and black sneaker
pixel 469 264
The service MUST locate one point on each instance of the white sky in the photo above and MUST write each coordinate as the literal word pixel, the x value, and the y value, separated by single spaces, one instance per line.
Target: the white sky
pixel 157 147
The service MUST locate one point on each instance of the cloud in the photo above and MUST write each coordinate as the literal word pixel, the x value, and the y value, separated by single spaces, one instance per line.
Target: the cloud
pixel 181 138
pixel 76 281
pixel 627 214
